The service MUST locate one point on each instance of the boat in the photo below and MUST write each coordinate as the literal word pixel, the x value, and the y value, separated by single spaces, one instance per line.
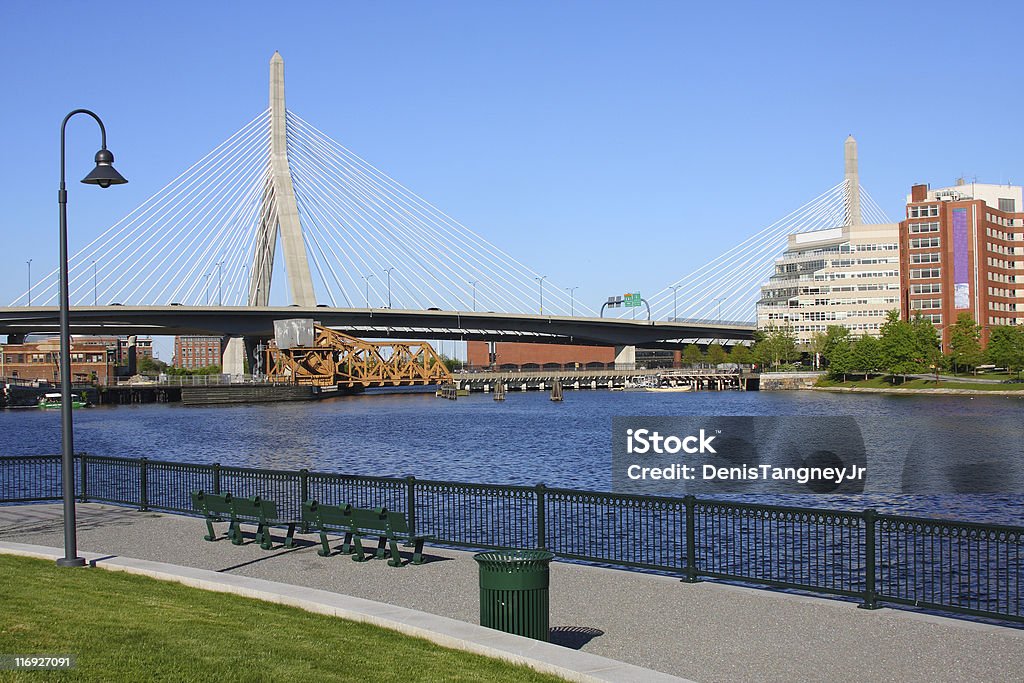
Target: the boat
pixel 54 401
pixel 680 387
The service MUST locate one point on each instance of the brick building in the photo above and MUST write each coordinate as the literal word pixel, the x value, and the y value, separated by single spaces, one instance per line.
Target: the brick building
pixel 962 250
pixel 93 359
pixel 192 352
pixel 524 356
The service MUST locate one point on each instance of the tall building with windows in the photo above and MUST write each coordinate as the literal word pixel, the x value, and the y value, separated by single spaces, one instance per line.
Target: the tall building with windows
pixel 962 251
pixel 847 276
pixel 192 352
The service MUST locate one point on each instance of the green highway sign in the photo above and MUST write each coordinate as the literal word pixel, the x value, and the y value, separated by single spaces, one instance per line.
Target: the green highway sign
pixel 631 300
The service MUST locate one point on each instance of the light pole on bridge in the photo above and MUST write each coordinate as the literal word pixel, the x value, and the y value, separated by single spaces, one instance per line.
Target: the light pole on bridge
pixel 541 281
pixel 366 278
pixel 94 298
pixel 675 311
pixel 572 301
pixel 388 273
pixel 29 264
pixel 473 283
pixel 103 175
pixel 220 282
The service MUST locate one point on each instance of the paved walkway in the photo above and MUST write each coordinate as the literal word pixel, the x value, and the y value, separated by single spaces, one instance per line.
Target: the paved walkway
pixel 704 632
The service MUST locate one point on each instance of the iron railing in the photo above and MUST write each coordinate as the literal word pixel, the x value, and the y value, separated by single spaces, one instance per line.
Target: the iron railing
pixel 962 567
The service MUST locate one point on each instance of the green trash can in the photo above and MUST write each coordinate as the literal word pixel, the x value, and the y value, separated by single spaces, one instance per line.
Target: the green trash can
pixel 514 591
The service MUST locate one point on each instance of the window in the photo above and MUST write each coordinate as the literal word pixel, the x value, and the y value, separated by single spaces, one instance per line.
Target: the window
pixel 1007 205
pixel 931 257
pixel 925 304
pixel 916 228
pixel 924 242
pixel 931 288
pixel 922 273
pixel 923 211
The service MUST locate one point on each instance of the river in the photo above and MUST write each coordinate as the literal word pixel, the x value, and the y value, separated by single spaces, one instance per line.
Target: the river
pixel 524 440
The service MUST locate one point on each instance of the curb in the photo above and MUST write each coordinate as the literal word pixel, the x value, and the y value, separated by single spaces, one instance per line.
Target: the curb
pixel 572 665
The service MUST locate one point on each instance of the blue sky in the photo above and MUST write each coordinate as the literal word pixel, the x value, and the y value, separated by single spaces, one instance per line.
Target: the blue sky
pixel 614 146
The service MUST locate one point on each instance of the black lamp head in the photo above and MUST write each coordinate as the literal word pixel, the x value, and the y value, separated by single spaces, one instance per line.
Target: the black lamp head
pixel 104 174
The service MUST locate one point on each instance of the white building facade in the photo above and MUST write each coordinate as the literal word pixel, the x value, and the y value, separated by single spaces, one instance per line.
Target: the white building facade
pixel 847 276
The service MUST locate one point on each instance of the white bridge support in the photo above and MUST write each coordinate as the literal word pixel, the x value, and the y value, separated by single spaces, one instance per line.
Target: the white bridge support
pixel 625 357
pixel 280 211
pixel 233 359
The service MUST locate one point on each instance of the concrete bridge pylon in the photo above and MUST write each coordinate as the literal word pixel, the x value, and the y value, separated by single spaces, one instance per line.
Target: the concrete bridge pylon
pixel 280 212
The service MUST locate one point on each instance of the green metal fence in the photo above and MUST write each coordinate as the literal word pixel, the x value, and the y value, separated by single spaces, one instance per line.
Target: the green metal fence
pixel 963 567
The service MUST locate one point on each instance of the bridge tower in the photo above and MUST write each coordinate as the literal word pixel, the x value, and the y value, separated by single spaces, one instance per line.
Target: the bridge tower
pixel 852 182
pixel 280 212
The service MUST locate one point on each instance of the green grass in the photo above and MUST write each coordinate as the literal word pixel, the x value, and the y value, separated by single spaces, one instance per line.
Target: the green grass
pixel 882 382
pixel 123 627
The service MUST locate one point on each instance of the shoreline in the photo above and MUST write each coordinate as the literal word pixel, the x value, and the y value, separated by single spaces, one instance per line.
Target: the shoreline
pixel 946 392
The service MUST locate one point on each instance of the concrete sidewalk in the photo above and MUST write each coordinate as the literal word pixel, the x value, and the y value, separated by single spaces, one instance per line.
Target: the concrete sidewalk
pixel 704 632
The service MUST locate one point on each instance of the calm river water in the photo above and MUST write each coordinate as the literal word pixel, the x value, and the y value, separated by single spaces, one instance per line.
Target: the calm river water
pixel 525 440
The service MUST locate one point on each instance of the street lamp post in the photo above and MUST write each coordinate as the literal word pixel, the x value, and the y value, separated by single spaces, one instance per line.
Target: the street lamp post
pixel 220 283
pixel 94 298
pixel 541 281
pixel 572 301
pixel 473 283
pixel 675 311
pixel 388 272
pixel 103 175
pixel 29 264
pixel 366 278
pixel 720 300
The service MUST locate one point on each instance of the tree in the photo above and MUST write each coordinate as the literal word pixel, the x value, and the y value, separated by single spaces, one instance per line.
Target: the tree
pixel 867 355
pixel 926 339
pixel 834 335
pixel 817 347
pixel 777 345
pixel 741 355
pixel 840 359
pixel 1006 347
pixel 965 342
pixel 716 354
pixel 692 355
pixel 452 364
pixel 151 365
pixel 899 350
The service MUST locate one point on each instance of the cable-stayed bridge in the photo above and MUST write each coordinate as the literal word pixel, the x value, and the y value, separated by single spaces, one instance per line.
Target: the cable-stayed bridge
pixel 364 254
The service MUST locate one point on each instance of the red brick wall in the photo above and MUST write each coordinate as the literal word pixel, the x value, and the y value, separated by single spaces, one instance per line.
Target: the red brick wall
pixel 516 353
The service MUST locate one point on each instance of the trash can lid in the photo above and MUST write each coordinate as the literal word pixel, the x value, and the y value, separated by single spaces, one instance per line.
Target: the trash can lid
pixel 497 558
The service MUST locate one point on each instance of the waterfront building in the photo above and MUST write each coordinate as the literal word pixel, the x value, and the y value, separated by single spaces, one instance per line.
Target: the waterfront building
pixel 193 352
pixel 528 356
pixel 846 276
pixel 962 250
pixel 93 359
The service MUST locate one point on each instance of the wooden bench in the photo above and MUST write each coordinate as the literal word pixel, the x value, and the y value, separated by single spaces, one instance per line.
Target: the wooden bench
pixel 355 523
pixel 254 510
